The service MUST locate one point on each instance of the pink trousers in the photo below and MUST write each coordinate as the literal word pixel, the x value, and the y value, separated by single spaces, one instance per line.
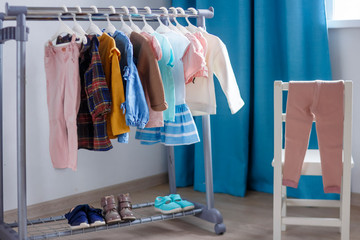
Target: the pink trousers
pixel 63 99
pixel 323 100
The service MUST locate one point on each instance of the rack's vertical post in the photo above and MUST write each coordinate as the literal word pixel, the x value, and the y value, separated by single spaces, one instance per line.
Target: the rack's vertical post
pixel 21 129
pixel 21 124
pixel 171 169
pixel 2 16
pixel 207 146
pixel 200 22
pixel 208 161
pixel 21 38
pixel 209 213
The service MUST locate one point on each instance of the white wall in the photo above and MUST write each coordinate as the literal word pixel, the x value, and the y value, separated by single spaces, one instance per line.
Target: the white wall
pixel 124 163
pixel 345 63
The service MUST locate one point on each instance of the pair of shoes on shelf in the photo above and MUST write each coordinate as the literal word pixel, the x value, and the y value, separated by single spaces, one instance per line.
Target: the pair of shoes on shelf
pixel 84 216
pixel 172 204
pixel 117 212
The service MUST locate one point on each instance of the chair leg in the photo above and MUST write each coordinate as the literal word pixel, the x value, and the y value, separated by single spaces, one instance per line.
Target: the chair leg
pixel 277 205
pixel 345 210
pixel 283 206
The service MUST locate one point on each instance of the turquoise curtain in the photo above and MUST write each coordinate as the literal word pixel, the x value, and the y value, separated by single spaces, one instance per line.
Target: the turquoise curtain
pixel 267 40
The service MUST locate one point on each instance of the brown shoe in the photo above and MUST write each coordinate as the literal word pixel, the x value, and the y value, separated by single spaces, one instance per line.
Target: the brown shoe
pixel 109 209
pixel 124 206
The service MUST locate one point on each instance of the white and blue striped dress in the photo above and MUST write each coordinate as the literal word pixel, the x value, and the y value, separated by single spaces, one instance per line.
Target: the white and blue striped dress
pixel 183 130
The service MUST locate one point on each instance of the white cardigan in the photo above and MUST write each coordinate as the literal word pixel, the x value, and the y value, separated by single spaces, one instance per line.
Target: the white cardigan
pixel 200 95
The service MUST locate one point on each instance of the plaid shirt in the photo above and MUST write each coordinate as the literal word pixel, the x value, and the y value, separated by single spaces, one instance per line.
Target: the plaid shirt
pixel 95 100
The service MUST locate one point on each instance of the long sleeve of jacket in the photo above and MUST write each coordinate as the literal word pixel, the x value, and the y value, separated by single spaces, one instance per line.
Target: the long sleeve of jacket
pixel 117 115
pixel 149 72
pixel 225 74
pixel 137 111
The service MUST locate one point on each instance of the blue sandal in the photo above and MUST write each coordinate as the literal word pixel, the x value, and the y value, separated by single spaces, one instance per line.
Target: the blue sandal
pixel 185 205
pixel 166 206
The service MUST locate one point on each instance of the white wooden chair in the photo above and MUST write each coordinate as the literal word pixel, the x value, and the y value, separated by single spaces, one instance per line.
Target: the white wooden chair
pixel 311 166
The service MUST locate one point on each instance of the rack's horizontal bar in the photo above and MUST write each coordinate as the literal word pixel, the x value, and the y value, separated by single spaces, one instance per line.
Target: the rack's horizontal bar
pixel 39 221
pixel 59 218
pixel 103 10
pixel 112 226
pixel 51 17
pixel 51 13
pixel 142 205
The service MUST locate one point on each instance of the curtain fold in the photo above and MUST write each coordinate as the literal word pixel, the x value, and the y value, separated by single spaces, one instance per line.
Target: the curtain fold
pixel 267 40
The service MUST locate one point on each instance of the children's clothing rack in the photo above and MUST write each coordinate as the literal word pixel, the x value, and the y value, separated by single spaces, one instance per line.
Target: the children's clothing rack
pixel 20 34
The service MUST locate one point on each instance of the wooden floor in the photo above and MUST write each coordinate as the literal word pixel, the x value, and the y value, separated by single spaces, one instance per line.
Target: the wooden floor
pixel 245 218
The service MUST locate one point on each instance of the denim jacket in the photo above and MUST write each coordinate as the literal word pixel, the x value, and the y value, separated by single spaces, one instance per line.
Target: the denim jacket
pixel 137 111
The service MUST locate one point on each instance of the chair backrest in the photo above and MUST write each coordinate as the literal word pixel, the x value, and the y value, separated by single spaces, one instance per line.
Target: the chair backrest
pixel 280 117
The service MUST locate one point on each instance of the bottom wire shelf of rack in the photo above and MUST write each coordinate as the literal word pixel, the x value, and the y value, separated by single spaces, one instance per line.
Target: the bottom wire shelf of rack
pixel 52 227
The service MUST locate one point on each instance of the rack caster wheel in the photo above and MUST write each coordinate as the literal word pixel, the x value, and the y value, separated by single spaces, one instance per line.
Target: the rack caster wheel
pixel 220 228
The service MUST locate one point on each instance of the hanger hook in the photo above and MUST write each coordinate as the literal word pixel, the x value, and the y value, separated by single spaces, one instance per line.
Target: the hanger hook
pixel 60 14
pixel 59 17
pixel 78 8
pixel 134 9
pixel 74 16
pixel 193 10
pixel 174 11
pixel 65 9
pixel 165 11
pixel 126 9
pixel 112 9
pixel 94 8
pixel 159 20
pixel 181 10
pixel 148 9
pixel 107 18
pixel 90 17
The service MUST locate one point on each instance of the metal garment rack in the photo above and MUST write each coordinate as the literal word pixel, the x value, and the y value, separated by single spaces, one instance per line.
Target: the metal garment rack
pixel 20 33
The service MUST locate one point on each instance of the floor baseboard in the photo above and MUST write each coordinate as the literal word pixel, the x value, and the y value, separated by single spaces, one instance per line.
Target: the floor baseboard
pixel 66 203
